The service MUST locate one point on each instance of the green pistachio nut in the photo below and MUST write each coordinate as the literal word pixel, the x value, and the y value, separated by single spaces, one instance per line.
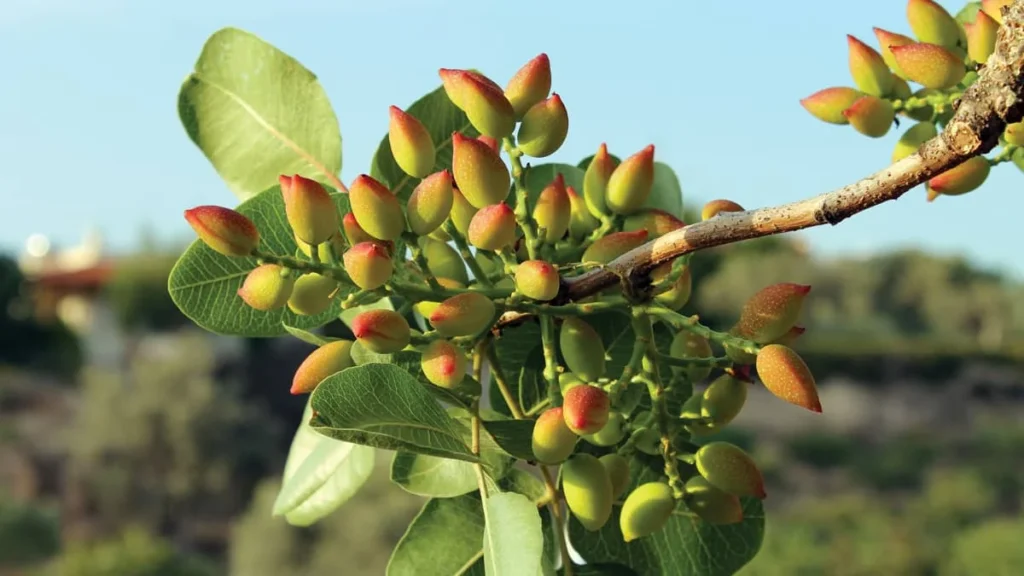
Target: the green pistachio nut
pixel 723 400
pixel 381 331
pixel 483 101
pixel 886 40
pixel 686 344
pixel 828 104
pixel 912 139
pixel 224 230
pixel 309 209
pixel 611 434
pixel 868 69
pixel 581 221
pixel 312 294
pixel 771 312
pixel 617 468
pixel 376 209
pixel 267 287
pixel 544 128
pixel 646 510
pixel 871 116
pixel 588 491
pixel 981 37
pixel 466 314
pixel 711 504
pixel 443 260
pixel 567 380
pixel 679 294
pixel 656 222
pixel 553 441
pixel 966 177
pixel 462 212
pixel 368 265
pixel 427 307
pixel 326 360
pixel 631 182
pixel 493 227
pixel 931 23
pixel 538 280
pixel 443 363
pixel 595 182
pixel 930 65
pixel 582 349
pixel 530 85
pixel 480 174
pixel 430 203
pixel 610 247
pixel 730 469
pixel 552 210
pixel 411 144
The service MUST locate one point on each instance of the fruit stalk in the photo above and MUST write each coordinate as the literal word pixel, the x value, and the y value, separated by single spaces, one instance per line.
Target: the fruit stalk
pixel 467 256
pixel 547 339
pixel 522 212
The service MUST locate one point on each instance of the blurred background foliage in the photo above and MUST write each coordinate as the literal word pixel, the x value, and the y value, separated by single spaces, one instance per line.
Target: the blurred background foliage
pixel 167 461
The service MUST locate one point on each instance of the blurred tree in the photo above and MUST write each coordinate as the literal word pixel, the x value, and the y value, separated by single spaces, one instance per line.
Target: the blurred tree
pixel 24 341
pixel 134 553
pixel 28 534
pixel 165 444
pixel 992 549
pixel 138 292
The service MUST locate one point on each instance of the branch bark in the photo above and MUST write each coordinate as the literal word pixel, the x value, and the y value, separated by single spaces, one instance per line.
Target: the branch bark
pixel 981 115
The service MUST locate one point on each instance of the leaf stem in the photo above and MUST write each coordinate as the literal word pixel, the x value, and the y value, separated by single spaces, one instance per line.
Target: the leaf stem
pixel 502 384
pixel 547 338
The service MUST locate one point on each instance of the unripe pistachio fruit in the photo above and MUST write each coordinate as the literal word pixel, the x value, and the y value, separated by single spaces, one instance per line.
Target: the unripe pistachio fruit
pixel 931 23
pixel 828 105
pixel 585 409
pixel 714 207
pixel 964 178
pixel 567 380
pixel 582 349
pixel 323 251
pixel 1014 133
pixel 224 230
pixel 686 344
pixel 646 510
pixel 493 227
pixel 462 212
pixel 610 247
pixel 466 314
pixel 912 139
pixel 871 116
pixel 730 469
pixel 656 222
pixel 930 65
pixel 353 231
pixel 368 265
pixel 443 363
pixel 611 434
pixel 430 203
pixel 311 294
pixel 553 441
pixel 376 209
pixel 537 279
pixel 267 287
pixel 631 182
pixel 994 8
pixel 381 331
pixel 723 400
pixel 772 311
pixel 484 103
pixel 595 182
pixel 309 209
pixel 544 128
pixel 679 294
pixel 480 174
pixel 618 472
pixel 711 504
pixel 326 360
pixel 588 490
pixel 868 69
pixel 786 375
pixel 886 40
pixel 981 37
pixel 443 260
pixel 411 144
pixel 552 210
pixel 427 307
pixel 530 85
pixel 581 221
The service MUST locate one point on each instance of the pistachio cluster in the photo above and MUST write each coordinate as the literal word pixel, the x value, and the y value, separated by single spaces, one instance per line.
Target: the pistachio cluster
pixel 477 215
pixel 921 77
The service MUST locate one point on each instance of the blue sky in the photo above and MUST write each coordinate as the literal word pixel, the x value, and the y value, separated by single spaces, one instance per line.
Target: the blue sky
pixel 89 134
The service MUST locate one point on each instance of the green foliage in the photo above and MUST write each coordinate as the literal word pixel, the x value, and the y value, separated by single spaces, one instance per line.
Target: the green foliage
pixel 204 284
pixel 134 552
pixel 28 534
pixel 513 535
pixel 138 293
pixel 256 113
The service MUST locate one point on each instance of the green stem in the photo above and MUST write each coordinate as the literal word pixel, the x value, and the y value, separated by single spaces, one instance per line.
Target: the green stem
pixel 467 256
pixel 560 521
pixel 692 324
pixel 1005 154
pixel 419 293
pixel 421 261
pixel 293 263
pixel 575 309
pixel 522 211
pixel 659 409
pixel 643 331
pixel 709 361
pixel 502 384
pixel 547 338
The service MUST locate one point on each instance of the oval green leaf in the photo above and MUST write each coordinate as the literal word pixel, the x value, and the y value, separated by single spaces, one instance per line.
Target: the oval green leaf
pixel 432 476
pixel 204 284
pixel 513 535
pixel 257 113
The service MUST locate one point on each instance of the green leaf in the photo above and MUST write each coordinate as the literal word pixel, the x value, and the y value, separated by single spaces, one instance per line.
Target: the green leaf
pixel 432 476
pixel 686 546
pixel 513 537
pixel 515 437
pixel 666 194
pixel 521 359
pixel 204 284
pixel 319 475
pixel 383 406
pixel 257 113
pixel 441 118
pixel 307 336
pixel 445 539
pixel 463 395
pixel 525 483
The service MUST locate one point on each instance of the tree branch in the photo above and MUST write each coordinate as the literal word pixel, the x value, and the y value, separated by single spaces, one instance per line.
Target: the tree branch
pixel 993 101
